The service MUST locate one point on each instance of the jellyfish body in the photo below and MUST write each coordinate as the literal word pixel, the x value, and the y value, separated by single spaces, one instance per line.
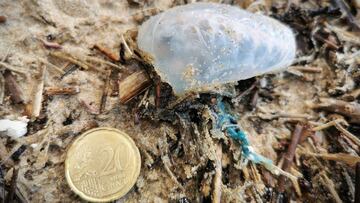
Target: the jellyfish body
pixel 197 46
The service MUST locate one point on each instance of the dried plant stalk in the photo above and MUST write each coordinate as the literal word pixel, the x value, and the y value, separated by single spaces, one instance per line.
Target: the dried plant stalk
pixel 133 85
pixel 105 92
pixel 38 94
pixel 2 88
pixel 329 184
pixel 64 56
pixel 61 90
pixel 61 71
pixel 216 196
pixel 107 52
pixel 341 157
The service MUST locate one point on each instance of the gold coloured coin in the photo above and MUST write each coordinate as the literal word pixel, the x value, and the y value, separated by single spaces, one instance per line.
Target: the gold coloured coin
pixel 102 164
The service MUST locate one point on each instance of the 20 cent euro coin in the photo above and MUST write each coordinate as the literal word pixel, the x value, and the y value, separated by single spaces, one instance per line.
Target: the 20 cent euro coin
pixel 102 164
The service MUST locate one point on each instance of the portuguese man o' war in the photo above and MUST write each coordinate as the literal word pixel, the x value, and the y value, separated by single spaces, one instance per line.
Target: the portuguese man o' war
pixel 199 45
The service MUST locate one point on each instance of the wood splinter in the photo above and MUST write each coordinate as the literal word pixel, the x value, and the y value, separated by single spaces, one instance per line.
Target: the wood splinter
pixel 133 85
pixel 107 52
pixel 12 87
pixel 50 91
pixel 216 196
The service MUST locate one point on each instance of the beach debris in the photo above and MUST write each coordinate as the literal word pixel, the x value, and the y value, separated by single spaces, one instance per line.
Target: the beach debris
pixel 2 89
pixel 2 19
pixel 69 68
pixel 14 128
pixel 357 183
pixel 216 195
pixel 59 70
pixel 38 93
pixel 107 52
pixel 340 157
pixel 347 12
pixel 225 122
pixel 68 57
pixel 289 157
pixel 50 91
pixel 133 85
pixel 90 107
pixel 349 109
pixel 12 87
pixel 214 44
pixel 10 196
pixel 105 92
pixel 329 184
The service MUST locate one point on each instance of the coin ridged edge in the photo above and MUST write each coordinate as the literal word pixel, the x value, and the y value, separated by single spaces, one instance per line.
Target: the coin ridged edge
pixel 114 196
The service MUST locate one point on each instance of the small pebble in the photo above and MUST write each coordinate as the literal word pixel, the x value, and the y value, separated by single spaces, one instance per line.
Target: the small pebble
pixel 2 19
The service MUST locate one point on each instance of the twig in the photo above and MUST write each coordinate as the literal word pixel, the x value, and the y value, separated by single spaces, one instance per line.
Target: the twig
pixel 61 90
pixel 11 153
pixel 52 66
pixel 2 89
pixel 216 196
pixel 62 55
pixel 244 93
pixel 349 181
pixel 326 41
pixel 107 52
pixel 13 88
pixel 166 162
pixel 306 69
pixel 38 93
pixel 341 157
pixel 329 184
pixel 105 92
pixel 350 109
pixel 97 60
pixel 69 70
pixel 2 186
pixel 285 115
pixel 348 134
pixel 329 124
pixel 12 190
pixel 343 34
pixel 254 99
pixel 289 156
pixel 357 183
pixel 158 93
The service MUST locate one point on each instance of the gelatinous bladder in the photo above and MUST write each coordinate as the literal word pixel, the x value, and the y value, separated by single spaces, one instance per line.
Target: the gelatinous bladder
pixel 200 45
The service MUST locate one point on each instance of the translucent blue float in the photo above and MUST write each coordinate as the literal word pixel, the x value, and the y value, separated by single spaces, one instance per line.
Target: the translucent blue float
pixel 197 46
